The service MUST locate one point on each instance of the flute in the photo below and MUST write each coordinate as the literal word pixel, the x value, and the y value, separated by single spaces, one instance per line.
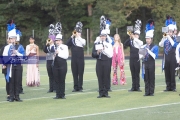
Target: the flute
pixel 101 51
pixel 13 49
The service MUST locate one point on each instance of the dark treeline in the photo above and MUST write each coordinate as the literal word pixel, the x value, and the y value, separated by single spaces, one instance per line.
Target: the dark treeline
pixel 38 14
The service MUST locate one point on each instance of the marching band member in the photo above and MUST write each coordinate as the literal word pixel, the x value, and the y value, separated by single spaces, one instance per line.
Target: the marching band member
pixel 76 43
pixel 118 60
pixel 169 43
pixel 49 49
pixel 60 67
pixel 33 75
pixel 149 60
pixel 102 51
pixel 134 43
pixel 14 70
pixel 105 23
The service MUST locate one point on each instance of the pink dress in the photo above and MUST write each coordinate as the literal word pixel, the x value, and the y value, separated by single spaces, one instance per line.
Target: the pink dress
pixel 117 60
pixel 32 76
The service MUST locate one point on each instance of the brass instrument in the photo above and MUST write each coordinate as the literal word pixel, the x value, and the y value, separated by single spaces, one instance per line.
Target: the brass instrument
pixel 48 40
pixel 74 32
pixel 164 34
pixel 129 32
pixel 165 31
pixel 16 43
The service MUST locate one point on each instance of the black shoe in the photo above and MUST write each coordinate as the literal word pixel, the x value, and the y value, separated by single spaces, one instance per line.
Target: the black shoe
pixel 166 90
pixel 131 90
pixel 100 96
pixel 145 95
pixel 56 97
pixel 62 97
pixel 139 90
pixel 21 92
pixel 75 90
pixel 109 90
pixel 174 90
pixel 50 91
pixel 151 95
pixel 11 100
pixel 18 100
pixel 107 96
pixel 8 97
pixel 80 90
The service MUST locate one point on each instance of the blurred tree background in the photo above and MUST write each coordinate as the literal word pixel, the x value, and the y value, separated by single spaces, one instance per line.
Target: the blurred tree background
pixel 37 15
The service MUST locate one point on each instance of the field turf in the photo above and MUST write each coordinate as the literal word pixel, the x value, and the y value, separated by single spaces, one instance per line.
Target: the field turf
pixel 123 105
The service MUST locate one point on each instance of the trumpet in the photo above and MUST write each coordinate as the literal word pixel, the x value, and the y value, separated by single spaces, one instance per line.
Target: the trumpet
pixel 48 40
pixel 164 34
pixel 74 32
pixel 129 32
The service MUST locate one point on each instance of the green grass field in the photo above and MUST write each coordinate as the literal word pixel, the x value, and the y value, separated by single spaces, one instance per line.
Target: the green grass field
pixel 39 105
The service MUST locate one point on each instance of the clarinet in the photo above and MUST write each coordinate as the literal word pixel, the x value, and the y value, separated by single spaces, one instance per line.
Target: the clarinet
pixel 55 55
pixel 101 51
pixel 13 51
pixel 99 55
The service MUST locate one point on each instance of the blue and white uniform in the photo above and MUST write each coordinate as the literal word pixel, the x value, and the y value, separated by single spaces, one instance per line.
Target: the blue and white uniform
pixel 148 68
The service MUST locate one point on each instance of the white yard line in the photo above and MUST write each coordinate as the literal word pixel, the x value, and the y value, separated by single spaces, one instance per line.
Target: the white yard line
pixel 38 89
pixel 116 111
